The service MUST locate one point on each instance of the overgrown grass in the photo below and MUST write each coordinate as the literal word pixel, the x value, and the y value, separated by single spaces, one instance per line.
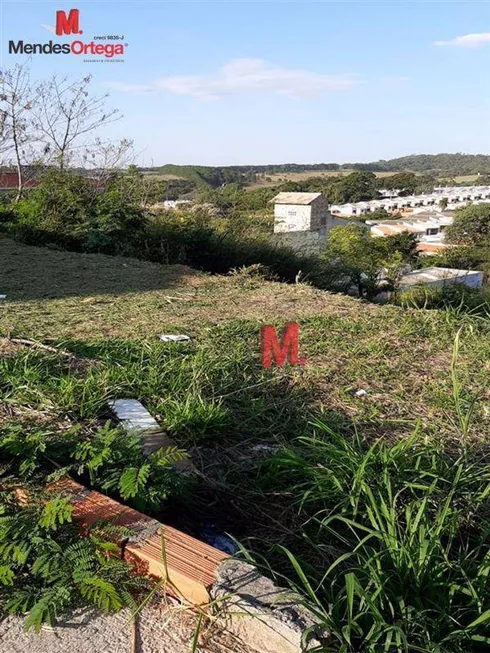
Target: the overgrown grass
pixel 382 503
pixel 402 534
pixel 457 298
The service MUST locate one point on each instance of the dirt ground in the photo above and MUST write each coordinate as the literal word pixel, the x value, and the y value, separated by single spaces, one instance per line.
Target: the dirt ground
pixel 160 629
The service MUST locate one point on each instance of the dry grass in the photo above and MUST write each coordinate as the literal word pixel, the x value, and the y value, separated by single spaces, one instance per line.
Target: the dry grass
pixel 461 178
pixel 53 294
pixel 276 178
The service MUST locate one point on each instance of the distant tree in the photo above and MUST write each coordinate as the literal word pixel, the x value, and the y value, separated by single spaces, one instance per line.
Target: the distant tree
pixel 293 187
pixel 471 226
pixel 443 202
pixel 378 214
pixel 402 181
pixel 405 244
pixel 356 187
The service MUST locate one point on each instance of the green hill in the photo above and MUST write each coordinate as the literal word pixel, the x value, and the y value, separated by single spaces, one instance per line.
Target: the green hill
pixel 444 164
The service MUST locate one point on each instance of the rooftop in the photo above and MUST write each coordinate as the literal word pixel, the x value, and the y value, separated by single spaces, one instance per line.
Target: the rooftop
pixel 434 274
pixel 295 198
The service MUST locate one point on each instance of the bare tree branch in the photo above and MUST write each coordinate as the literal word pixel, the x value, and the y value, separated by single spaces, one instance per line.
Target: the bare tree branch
pixel 17 135
pixel 67 116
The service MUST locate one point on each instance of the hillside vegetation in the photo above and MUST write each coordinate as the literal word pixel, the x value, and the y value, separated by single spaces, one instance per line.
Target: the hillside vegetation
pixel 442 165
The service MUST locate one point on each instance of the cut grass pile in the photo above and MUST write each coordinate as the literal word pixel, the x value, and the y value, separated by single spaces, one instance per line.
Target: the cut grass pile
pixel 241 422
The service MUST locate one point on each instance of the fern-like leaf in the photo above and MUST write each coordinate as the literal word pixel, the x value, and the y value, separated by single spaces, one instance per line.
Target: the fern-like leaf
pixel 100 592
pixel 133 480
pixel 56 512
pixel 46 610
pixel 6 575
pixel 169 456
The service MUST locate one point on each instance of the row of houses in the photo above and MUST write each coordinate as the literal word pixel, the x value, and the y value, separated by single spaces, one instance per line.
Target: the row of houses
pixel 303 220
pixel 456 197
pixel 428 228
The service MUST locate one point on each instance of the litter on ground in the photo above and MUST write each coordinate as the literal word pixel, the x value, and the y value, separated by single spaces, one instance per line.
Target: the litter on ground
pixel 173 338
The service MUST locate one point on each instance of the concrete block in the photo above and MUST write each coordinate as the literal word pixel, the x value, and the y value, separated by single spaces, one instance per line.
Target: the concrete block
pixel 134 417
pixel 267 618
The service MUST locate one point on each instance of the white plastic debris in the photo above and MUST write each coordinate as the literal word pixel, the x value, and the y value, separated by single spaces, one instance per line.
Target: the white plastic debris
pixel 2 297
pixel 134 416
pixel 360 393
pixel 173 338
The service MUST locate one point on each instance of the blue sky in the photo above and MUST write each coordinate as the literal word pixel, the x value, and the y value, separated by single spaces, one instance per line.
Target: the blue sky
pixel 218 83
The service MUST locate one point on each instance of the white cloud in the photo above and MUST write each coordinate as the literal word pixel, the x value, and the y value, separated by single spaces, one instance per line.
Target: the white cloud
pixel 241 76
pixel 468 40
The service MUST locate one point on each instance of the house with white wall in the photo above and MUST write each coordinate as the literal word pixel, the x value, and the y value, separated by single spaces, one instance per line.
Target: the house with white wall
pixel 439 277
pixel 303 220
pixel 303 212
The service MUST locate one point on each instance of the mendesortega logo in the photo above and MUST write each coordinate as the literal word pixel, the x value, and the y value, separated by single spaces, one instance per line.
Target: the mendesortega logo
pixel 69 24
pixel 107 50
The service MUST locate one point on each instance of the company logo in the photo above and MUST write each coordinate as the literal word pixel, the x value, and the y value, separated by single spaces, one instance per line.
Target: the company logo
pixel 286 350
pixel 106 46
pixel 68 24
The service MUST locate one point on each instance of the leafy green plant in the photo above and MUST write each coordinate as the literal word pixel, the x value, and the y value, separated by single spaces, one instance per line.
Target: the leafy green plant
pixel 49 566
pixel 108 460
pixel 403 531
pixel 117 465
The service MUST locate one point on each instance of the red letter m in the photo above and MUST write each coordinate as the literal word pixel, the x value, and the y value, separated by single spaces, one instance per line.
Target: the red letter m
pixel 287 350
pixel 67 25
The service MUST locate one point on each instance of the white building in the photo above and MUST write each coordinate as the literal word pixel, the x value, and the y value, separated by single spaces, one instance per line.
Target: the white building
pixel 428 228
pixel 302 221
pixel 303 212
pixel 456 196
pixel 438 277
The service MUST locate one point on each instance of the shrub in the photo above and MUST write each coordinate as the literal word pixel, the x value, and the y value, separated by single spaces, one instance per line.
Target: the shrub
pixel 192 240
pixel 48 566
pixel 69 211
pixel 402 531
pixel 103 460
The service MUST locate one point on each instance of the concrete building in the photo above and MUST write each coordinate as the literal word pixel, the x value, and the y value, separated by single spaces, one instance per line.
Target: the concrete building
pixel 438 277
pixel 302 221
pixel 303 212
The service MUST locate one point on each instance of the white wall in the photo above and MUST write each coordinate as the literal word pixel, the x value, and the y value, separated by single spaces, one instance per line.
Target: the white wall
pixel 292 217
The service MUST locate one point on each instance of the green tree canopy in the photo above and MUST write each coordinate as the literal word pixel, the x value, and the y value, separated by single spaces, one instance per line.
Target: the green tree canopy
pixel 364 260
pixel 471 226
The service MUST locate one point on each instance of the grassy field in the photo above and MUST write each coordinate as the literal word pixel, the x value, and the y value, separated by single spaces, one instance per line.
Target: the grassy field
pixel 110 307
pixel 467 179
pixel 266 180
pixel 214 398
